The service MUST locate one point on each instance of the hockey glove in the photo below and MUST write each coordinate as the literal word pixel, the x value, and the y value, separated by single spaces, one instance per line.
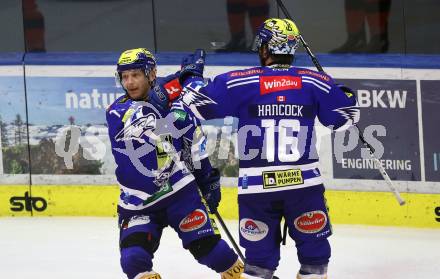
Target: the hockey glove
pixel 192 65
pixel 158 97
pixel 210 188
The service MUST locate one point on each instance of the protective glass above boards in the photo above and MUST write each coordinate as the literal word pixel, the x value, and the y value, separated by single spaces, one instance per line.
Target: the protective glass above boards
pixel 343 26
pixel 11 26
pixel 100 25
pixel 363 26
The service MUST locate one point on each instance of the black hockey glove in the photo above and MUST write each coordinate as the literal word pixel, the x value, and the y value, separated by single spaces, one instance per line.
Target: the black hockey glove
pixel 192 65
pixel 210 188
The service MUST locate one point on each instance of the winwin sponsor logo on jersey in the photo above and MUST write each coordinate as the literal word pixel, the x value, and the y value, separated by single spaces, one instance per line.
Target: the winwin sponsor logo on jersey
pixel 311 222
pixel 253 230
pixel 193 221
pixel 270 84
pixel 273 179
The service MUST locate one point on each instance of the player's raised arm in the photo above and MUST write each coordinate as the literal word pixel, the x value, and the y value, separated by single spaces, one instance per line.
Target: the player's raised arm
pixel 207 99
pixel 337 105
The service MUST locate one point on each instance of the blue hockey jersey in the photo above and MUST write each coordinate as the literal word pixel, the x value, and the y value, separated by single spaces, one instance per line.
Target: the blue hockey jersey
pixel 155 151
pixel 276 107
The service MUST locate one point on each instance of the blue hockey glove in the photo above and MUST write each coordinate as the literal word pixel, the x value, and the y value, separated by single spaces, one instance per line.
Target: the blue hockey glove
pixel 210 188
pixel 192 65
pixel 158 97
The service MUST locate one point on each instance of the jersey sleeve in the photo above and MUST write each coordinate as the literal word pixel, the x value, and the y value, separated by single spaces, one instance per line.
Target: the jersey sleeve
pixel 112 122
pixel 336 108
pixel 208 99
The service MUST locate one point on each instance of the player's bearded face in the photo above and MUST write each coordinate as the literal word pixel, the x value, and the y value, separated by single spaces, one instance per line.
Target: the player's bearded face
pixel 136 84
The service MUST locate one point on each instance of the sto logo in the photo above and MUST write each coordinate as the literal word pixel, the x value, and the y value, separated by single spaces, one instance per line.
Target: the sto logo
pixel 253 230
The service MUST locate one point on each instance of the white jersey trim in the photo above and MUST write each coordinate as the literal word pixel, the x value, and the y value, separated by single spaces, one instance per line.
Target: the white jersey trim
pixel 324 87
pixel 241 79
pixel 243 83
pixel 318 81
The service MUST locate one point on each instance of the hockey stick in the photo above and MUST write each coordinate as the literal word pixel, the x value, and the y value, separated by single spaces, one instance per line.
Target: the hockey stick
pixel 303 42
pixel 364 142
pixel 228 234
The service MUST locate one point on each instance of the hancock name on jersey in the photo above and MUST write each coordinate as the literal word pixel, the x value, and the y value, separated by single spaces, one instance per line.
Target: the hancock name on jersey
pixel 280 110
pixel 137 128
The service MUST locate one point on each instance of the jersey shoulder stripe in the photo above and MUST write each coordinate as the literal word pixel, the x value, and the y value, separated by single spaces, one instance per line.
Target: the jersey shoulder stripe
pixel 242 77
pixel 319 75
pixel 235 83
pixel 319 84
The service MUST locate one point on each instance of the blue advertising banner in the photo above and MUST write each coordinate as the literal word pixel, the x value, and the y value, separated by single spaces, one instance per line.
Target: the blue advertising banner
pixel 67 126
pixel 431 128
pixel 389 122
pixel 82 98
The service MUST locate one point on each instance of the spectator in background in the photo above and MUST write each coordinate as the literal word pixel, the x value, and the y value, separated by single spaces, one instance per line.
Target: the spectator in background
pixel 359 12
pixel 258 11
pixel 33 22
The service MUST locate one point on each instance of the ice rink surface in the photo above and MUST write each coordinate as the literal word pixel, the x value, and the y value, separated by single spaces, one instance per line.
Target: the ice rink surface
pixel 83 248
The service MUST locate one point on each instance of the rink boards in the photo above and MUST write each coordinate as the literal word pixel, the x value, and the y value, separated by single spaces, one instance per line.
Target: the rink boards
pixel 401 102
pixel 345 207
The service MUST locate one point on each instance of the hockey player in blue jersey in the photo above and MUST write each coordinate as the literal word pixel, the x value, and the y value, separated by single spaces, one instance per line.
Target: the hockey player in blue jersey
pixel 161 166
pixel 279 177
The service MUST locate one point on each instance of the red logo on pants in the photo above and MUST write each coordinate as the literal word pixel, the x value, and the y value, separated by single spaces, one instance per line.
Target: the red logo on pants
pixel 193 221
pixel 270 84
pixel 311 222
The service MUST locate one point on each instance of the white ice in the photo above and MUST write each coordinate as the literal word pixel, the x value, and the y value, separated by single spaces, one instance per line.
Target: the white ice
pixel 83 248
